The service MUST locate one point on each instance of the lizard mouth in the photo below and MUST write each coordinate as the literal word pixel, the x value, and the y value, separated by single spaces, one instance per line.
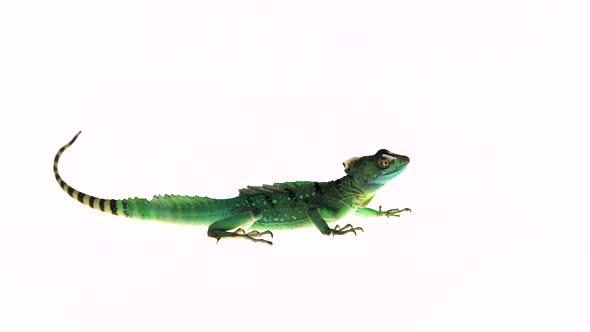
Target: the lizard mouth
pixel 389 176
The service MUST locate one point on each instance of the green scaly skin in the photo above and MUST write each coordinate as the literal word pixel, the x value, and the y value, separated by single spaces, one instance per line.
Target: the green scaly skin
pixel 259 209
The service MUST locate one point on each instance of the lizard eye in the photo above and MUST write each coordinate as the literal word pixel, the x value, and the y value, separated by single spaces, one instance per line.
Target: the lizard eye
pixel 384 163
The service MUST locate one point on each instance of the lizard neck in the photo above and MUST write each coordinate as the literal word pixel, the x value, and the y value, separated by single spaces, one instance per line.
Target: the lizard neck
pixel 348 188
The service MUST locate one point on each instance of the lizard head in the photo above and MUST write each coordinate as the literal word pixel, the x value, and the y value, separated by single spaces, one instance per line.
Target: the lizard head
pixel 370 173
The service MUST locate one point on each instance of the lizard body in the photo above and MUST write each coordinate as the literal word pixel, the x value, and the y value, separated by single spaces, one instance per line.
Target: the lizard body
pixel 262 208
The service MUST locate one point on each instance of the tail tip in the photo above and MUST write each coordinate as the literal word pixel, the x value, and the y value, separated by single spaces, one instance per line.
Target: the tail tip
pixel 75 137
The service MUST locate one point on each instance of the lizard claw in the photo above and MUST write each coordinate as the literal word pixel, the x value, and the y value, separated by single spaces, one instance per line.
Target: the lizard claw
pixel 393 212
pixel 346 229
pixel 252 235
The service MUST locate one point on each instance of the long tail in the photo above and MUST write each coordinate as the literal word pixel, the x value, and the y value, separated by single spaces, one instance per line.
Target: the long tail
pixel 165 208
pixel 113 206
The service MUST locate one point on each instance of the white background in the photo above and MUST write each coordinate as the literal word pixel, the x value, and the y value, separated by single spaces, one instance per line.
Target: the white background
pixel 488 98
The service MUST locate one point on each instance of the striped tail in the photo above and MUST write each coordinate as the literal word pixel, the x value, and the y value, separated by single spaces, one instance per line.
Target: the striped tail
pixel 113 206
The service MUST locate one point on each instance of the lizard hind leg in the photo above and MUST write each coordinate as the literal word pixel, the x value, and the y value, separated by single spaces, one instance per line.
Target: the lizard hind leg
pixel 223 228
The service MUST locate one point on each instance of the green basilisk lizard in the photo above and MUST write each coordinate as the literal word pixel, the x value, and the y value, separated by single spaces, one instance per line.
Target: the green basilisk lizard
pixel 258 209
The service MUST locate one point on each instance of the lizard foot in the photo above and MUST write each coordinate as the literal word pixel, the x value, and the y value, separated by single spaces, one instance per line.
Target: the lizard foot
pixel 393 212
pixel 252 235
pixel 223 228
pixel 240 231
pixel 346 229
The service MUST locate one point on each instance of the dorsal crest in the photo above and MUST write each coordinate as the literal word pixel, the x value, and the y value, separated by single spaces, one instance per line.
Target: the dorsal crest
pixel 268 189
pixel 349 162
pixel 179 201
pixel 264 189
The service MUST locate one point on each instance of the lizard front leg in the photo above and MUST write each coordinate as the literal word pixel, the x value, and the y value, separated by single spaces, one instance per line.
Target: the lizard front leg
pixel 314 215
pixel 367 212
